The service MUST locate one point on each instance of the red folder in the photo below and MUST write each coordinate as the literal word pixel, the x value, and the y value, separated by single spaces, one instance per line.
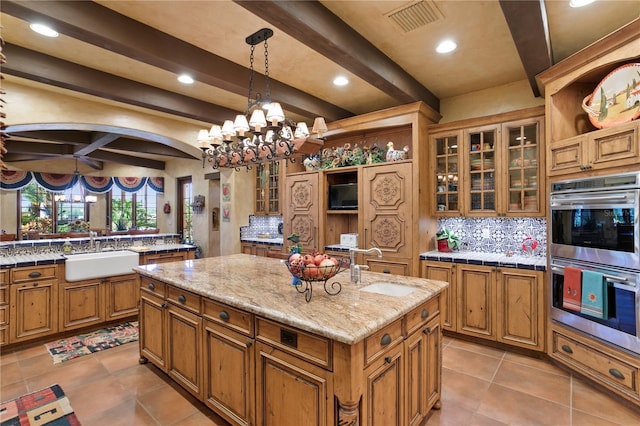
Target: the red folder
pixel 572 292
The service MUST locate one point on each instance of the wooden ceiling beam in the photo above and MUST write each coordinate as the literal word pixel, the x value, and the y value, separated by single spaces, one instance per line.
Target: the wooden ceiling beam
pixel 46 69
pixel 317 27
pixel 99 140
pixel 527 21
pixel 100 26
pixel 18 145
pixel 128 160
pixel 147 147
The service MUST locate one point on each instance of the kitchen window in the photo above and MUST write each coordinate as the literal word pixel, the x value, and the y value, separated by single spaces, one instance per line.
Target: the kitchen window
pixel 39 211
pixel 123 214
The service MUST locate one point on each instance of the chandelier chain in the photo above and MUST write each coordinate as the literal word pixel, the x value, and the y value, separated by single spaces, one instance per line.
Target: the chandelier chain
pixel 267 92
pixel 249 100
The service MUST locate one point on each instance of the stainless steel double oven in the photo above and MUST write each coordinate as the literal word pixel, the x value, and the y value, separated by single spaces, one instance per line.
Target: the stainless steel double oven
pixel 594 226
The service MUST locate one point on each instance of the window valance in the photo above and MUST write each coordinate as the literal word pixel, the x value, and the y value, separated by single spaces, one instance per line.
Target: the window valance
pixel 54 182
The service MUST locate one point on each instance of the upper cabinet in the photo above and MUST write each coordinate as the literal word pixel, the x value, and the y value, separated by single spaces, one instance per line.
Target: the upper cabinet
pixel 575 146
pixel 268 193
pixel 489 167
pixel 302 209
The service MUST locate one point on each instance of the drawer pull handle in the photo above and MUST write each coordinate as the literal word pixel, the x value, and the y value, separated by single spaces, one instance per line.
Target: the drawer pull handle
pixel 35 284
pixel 248 344
pixel 567 349
pixel 387 359
pixel 425 313
pixel 151 286
pixel 616 373
pixel 386 271
pixel 289 338
pixel 164 305
pixel 182 299
pixel 35 274
pixel 386 339
pixel 224 316
pixel 426 330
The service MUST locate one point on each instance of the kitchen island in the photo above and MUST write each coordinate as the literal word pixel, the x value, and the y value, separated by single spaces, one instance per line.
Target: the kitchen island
pixel 235 333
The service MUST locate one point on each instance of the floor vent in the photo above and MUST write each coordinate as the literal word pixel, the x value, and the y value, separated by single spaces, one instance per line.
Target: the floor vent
pixel 415 15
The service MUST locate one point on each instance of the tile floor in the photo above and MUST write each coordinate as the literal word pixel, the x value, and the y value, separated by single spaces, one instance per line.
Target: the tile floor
pixel 480 386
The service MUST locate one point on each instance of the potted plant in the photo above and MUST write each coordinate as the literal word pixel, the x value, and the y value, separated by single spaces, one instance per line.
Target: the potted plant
pixel 447 240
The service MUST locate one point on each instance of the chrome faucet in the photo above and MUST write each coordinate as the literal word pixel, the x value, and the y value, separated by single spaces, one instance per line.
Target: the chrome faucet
pixel 355 269
pixel 92 235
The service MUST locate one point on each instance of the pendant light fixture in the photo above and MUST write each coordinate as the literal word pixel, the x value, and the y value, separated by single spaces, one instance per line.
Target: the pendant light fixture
pixel 253 137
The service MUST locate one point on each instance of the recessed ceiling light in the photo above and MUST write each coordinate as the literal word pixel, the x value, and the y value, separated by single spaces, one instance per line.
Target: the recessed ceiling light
pixel 340 81
pixel 580 3
pixel 185 79
pixel 446 46
pixel 44 30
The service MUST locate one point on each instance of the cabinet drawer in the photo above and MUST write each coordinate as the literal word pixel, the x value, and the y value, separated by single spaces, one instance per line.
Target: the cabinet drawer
pixel 376 344
pixel 596 364
pixel 391 267
pixel 152 286
pixel 232 318
pixel 422 314
pixel 312 348
pixel 184 299
pixel 32 273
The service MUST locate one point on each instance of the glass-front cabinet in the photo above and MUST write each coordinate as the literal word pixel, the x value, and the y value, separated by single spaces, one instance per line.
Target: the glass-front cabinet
pixel 523 152
pixel 482 153
pixel 267 193
pixel 447 154
pixel 490 169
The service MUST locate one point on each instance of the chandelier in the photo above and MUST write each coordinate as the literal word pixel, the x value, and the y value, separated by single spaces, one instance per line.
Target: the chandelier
pixel 76 198
pixel 260 138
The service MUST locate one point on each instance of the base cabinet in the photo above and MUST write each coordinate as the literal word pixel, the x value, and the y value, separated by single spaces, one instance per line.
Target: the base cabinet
pixel 253 370
pixel 148 259
pixel 500 304
pixel 122 296
pixel 5 311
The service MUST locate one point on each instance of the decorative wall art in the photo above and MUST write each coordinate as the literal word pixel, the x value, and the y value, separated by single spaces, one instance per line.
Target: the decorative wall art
pixel 226 192
pixel 226 213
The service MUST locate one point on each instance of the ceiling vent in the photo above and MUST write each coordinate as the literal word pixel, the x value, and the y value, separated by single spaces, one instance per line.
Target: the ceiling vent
pixel 415 15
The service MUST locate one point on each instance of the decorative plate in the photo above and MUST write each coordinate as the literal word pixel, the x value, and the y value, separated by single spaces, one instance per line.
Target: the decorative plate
pixel 620 90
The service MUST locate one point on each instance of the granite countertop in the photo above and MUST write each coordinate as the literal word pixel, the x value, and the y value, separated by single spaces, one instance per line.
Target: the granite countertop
pixel 161 248
pixel 262 286
pixel 537 263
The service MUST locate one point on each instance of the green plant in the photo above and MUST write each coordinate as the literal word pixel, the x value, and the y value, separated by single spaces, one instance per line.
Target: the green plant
pixel 453 240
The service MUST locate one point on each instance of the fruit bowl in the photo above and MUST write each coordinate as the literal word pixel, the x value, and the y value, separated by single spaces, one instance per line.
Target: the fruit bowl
pixel 315 272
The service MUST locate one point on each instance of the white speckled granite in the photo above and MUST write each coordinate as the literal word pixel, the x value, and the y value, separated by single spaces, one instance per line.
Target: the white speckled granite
pixel 262 286
pixel 538 263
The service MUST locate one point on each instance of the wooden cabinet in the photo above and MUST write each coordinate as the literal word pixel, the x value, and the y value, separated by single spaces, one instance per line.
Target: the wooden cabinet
pixel 264 250
pixel 34 302
pixel 171 333
pixel 384 393
pixel 122 294
pixel 4 307
pixel 444 271
pixel 387 215
pixel 267 189
pixel 303 208
pixel 81 304
pixel 501 304
pixel 489 166
pixel 174 256
pixel 229 367
pixel 598 150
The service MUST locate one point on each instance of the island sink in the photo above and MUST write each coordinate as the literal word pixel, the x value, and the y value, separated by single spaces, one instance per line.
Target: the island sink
pixel 104 264
pixel 389 289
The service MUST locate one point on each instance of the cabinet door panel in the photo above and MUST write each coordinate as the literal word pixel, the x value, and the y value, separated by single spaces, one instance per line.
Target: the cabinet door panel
pixel 82 304
pixel 229 373
pixel 34 310
pixel 302 208
pixel 387 210
pixel 444 272
pixel 153 329
pixel 123 295
pixel 383 403
pixel 184 363
pixel 290 391
pixel 476 315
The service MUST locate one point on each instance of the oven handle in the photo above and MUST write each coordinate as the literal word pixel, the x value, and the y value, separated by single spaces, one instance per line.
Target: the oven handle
pixel 571 200
pixel 607 276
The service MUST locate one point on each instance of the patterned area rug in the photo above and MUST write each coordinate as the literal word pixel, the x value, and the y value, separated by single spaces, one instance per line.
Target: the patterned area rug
pixel 48 406
pixel 85 344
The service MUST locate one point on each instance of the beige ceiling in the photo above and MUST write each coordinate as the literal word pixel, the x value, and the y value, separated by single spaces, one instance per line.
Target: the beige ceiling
pixel 487 55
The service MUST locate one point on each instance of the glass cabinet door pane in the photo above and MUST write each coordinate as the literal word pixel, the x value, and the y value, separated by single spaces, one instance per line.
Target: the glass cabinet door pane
pixel 482 163
pixel 523 168
pixel 447 173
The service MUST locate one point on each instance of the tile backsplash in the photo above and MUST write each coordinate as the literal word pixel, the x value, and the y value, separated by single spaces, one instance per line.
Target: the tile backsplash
pixel 261 225
pixel 498 235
